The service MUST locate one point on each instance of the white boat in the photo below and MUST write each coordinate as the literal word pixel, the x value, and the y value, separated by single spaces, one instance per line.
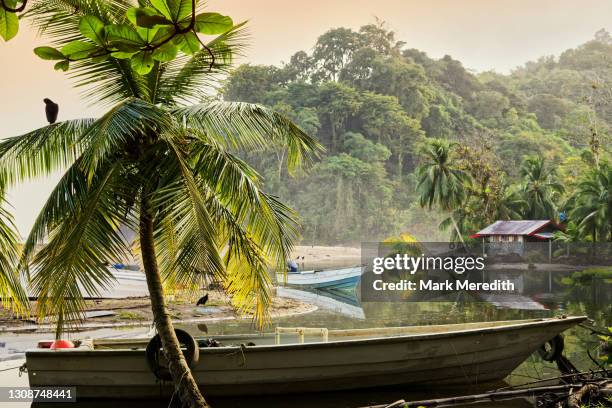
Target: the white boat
pixel 320 279
pixel 467 353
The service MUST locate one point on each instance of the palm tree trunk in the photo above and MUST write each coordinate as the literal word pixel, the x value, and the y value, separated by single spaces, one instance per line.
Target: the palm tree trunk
pixel 184 383
pixel 457 229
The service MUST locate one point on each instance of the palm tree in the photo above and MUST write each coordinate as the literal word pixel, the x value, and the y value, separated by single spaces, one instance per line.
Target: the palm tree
pixel 509 204
pixel 440 182
pixel 163 168
pixel 592 204
pixel 541 190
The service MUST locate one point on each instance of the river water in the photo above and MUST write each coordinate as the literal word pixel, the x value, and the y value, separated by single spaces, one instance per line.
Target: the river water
pixel 342 309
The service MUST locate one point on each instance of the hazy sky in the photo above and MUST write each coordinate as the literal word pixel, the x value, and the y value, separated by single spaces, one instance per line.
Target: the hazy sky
pixel 483 34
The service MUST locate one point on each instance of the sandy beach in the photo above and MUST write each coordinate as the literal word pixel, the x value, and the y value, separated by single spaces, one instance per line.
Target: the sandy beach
pixel 315 257
pixel 136 312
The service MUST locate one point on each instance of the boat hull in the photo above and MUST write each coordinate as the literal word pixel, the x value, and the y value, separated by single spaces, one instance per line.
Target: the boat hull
pixel 324 279
pixel 443 357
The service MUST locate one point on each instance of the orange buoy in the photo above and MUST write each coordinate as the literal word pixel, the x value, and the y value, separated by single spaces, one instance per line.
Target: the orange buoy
pixel 61 344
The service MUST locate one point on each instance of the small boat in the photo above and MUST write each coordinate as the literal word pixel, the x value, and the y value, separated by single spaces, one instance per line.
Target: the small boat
pixel 322 360
pixel 323 279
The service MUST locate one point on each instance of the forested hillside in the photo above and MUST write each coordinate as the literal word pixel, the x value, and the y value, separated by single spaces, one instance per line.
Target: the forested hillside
pixel 519 145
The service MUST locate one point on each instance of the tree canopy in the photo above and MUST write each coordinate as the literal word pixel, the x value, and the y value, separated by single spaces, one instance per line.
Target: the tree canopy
pixel 366 84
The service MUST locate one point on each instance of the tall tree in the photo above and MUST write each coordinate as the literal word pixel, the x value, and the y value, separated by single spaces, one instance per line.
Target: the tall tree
pixel 337 103
pixel 154 164
pixel 333 50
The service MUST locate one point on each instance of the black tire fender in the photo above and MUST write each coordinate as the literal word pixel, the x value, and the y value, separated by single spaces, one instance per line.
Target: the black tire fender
pixel 556 345
pixel 153 354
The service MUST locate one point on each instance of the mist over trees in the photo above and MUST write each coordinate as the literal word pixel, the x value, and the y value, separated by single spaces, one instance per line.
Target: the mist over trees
pixel 528 142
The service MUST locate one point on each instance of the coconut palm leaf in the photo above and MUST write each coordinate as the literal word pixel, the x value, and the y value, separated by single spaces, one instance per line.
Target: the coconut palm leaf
pixel 593 204
pixel 107 81
pixel 126 122
pixel 253 229
pixel 74 260
pixel 186 79
pixel 540 188
pixel 12 293
pixel 439 180
pixel 250 126
pixel 209 214
pixel 42 151
pixel 198 218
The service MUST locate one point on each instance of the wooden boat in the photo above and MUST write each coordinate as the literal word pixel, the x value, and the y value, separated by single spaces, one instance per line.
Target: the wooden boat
pixel 343 359
pixel 323 279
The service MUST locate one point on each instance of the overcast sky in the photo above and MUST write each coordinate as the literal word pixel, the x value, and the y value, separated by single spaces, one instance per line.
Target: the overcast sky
pixel 483 34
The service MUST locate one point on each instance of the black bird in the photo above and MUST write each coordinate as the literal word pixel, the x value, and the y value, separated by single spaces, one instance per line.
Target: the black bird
pixel 51 110
pixel 202 300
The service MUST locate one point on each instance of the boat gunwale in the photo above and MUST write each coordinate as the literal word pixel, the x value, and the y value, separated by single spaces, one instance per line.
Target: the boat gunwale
pixel 543 322
pixel 318 271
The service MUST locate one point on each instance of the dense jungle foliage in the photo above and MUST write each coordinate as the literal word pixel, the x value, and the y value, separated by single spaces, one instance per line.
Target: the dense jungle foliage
pixel 427 146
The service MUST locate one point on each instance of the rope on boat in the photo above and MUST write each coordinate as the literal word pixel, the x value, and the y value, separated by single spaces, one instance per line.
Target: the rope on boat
pixel 241 350
pixel 22 369
pixel 10 368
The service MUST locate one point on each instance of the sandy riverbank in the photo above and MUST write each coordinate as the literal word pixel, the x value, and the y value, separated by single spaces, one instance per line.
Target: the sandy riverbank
pixel 133 312
pixel 315 257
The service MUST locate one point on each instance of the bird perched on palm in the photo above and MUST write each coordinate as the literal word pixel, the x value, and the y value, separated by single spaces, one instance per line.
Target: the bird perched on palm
pixel 51 110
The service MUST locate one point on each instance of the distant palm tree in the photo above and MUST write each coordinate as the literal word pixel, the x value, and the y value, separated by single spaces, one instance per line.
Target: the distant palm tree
pixel 541 190
pixel 592 204
pixel 510 205
pixel 159 167
pixel 440 182
pixel 572 234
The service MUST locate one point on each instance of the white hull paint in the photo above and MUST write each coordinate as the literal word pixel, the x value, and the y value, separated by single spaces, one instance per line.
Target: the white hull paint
pixel 323 278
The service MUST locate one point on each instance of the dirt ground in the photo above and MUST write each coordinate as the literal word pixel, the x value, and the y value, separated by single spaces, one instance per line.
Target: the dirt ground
pixel 137 311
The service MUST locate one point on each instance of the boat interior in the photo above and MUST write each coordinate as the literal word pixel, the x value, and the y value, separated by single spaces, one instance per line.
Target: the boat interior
pixel 297 335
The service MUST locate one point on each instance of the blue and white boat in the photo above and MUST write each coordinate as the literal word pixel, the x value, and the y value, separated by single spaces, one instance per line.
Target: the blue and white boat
pixel 323 279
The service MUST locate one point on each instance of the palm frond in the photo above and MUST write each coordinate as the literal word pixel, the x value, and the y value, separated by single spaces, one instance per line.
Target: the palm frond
pixel 59 19
pixel 108 81
pixel 236 186
pixel 130 120
pixel 187 78
pixel 42 151
pixel 12 293
pixel 254 230
pixel 190 215
pixel 80 244
pixel 250 126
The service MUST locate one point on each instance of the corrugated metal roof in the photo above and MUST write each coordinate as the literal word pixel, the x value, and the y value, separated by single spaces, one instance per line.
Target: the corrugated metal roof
pixel 523 227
